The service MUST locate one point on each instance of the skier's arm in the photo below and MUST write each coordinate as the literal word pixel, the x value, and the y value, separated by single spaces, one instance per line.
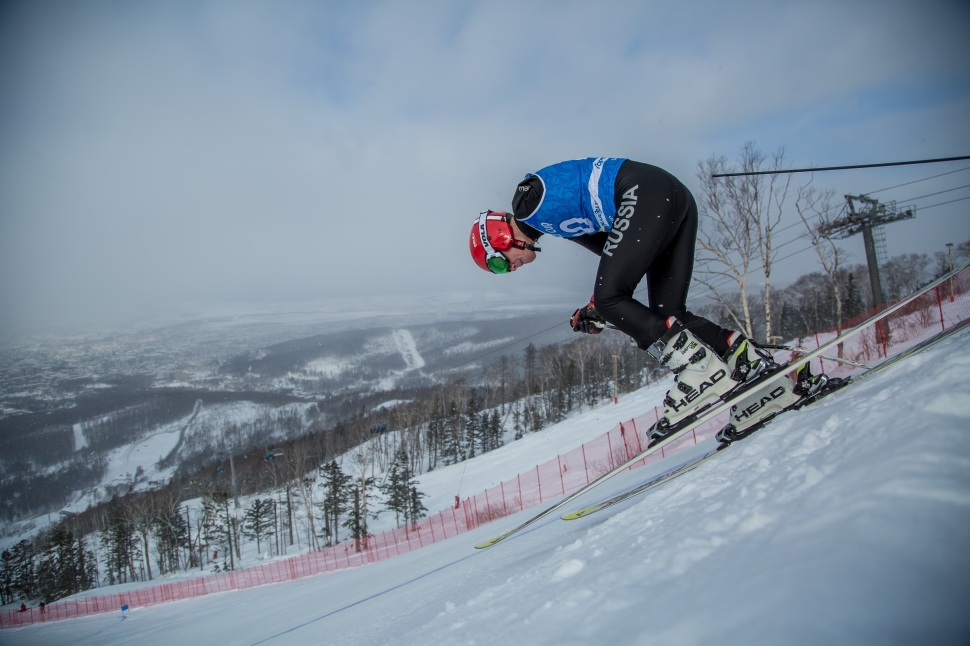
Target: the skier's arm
pixel 594 241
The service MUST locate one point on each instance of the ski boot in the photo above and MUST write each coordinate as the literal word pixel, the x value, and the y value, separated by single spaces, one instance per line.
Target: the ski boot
pixel 755 410
pixel 701 376
pixel 746 361
pixel 813 387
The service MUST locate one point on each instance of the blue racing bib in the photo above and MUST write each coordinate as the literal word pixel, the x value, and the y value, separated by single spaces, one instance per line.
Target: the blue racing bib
pixel 577 197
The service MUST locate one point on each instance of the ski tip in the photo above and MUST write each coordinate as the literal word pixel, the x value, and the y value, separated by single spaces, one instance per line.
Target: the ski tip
pixel 579 513
pixel 490 542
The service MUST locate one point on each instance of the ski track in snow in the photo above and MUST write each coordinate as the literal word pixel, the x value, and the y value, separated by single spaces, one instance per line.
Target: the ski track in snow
pixel 844 523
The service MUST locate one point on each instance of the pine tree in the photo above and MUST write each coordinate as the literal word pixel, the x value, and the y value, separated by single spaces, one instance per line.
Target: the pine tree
pixel 121 547
pixel 221 528
pixel 495 430
pixel 415 508
pixel 395 487
pixel 483 432
pixel 336 496
pixel 517 422
pixel 60 571
pixel 6 578
pixel 453 444
pixel 358 513
pixel 435 432
pixel 474 431
pixel 400 490
pixel 853 300
pixel 23 574
pixel 258 521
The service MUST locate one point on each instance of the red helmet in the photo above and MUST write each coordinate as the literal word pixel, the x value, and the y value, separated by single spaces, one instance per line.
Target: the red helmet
pixel 491 235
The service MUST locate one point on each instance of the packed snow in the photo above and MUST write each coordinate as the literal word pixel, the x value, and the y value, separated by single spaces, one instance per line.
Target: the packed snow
pixel 79 440
pixel 845 522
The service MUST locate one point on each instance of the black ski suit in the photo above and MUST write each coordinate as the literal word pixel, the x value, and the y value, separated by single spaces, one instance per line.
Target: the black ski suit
pixel 659 244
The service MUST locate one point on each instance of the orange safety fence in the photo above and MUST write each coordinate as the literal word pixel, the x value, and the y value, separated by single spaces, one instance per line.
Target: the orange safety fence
pixel 939 309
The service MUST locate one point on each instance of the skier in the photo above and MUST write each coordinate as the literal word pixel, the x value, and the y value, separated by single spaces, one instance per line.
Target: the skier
pixel 641 221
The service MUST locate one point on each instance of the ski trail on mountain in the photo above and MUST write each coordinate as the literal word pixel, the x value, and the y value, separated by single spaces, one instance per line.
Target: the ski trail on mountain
pixel 408 349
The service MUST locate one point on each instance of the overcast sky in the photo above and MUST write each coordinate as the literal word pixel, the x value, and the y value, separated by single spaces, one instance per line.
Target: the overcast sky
pixel 157 156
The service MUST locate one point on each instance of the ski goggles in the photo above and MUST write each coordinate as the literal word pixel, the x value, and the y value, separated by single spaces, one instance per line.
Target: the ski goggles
pixel 495 233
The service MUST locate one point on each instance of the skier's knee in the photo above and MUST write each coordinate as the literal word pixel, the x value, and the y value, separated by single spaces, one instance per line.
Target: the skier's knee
pixel 607 304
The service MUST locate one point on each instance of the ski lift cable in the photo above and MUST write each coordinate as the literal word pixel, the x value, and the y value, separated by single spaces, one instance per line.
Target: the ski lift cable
pixel 916 181
pixel 949 190
pixel 959 199
pixel 814 217
pixel 711 289
pixel 853 167
pixel 728 280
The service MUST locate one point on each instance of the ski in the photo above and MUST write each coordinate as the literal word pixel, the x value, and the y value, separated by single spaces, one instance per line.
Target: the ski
pixel 646 486
pixel 724 404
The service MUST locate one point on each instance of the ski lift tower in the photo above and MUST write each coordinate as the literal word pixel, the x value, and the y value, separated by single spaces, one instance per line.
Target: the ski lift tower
pixel 868 219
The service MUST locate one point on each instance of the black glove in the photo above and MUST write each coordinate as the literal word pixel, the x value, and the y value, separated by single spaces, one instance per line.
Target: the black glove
pixel 587 319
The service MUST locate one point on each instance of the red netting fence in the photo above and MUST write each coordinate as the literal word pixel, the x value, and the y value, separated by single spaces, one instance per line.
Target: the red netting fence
pixel 937 310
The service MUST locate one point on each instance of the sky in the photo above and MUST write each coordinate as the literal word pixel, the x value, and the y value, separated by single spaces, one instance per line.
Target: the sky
pixel 159 157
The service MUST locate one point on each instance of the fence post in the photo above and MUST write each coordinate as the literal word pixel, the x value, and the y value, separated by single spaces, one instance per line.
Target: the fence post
pixel 585 466
pixel 939 304
pixel 817 346
pixel 505 508
pixel 609 445
pixel 562 484
pixel 539 483
pixel 470 524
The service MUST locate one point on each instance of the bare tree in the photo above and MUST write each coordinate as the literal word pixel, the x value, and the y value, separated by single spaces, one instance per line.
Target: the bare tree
pixel 738 218
pixel 579 352
pixel 304 459
pixel 140 512
pixel 815 204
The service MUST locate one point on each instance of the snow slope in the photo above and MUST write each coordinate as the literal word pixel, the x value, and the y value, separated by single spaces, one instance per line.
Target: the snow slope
pixel 846 522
